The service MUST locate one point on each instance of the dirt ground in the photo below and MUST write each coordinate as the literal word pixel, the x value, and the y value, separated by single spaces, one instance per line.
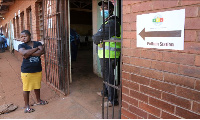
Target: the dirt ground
pixel 81 103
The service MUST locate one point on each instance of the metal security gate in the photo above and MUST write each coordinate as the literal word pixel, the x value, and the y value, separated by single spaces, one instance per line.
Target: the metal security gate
pixel 111 66
pixel 56 42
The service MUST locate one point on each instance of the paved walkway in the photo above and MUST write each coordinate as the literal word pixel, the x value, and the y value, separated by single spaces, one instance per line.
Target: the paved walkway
pixel 82 103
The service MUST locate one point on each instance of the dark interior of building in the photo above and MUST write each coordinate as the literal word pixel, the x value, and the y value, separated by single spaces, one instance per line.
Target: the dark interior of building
pixel 81 23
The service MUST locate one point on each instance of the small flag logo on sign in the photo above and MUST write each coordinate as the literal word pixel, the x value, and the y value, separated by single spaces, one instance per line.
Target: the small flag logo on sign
pixel 157 20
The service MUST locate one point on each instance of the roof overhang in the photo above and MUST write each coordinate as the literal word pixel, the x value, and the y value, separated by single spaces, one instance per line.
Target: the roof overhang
pixel 4 7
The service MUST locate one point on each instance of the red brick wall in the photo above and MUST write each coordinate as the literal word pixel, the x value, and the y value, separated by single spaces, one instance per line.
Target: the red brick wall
pixel 161 83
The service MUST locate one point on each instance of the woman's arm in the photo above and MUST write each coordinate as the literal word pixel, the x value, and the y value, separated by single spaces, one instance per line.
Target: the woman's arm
pixel 26 53
pixel 39 52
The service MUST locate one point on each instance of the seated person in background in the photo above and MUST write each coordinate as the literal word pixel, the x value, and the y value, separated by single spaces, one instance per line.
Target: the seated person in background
pixel 2 43
pixel 5 41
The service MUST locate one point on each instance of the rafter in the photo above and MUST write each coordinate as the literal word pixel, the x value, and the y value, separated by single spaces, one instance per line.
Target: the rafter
pixel 3 11
pixel 82 1
pixel 79 9
pixel 86 5
pixel 7 3
pixel 81 4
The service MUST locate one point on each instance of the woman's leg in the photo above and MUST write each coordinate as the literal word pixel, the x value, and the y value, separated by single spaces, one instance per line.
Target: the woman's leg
pixel 37 94
pixel 39 101
pixel 26 98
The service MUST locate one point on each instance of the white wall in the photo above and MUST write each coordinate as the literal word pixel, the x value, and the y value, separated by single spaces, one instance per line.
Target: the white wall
pixel 15 44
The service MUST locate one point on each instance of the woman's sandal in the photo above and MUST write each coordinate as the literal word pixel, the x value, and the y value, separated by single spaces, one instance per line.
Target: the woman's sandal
pixel 42 102
pixel 29 110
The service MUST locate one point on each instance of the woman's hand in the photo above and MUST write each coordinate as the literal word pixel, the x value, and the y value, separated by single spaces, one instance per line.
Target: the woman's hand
pixel 39 52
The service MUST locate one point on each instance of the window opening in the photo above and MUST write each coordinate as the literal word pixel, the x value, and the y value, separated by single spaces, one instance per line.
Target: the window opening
pixel 40 21
pixel 14 28
pixel 17 27
pixel 29 21
pixel 22 21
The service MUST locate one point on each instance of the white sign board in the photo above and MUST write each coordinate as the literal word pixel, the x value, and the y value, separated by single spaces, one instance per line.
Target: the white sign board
pixel 162 30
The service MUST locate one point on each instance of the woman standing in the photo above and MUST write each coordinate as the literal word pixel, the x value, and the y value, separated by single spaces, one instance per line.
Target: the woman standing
pixel 31 68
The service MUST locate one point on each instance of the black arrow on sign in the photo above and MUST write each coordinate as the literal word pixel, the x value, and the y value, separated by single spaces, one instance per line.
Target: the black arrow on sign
pixel 175 33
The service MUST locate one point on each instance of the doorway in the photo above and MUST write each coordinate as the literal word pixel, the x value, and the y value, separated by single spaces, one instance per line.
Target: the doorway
pixel 81 43
pixel 84 83
pixel 81 36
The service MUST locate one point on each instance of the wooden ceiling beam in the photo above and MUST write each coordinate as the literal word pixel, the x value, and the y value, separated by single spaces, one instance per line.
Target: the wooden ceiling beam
pixel 3 11
pixel 79 9
pixel 7 3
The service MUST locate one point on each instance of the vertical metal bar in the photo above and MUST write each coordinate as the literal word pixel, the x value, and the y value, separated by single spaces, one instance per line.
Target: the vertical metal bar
pixel 109 59
pixel 115 58
pixel 51 44
pixel 66 39
pixel 120 86
pixel 69 62
pixel 48 42
pixel 61 36
pixel 67 47
pixel 63 51
pixel 63 47
pixel 53 38
pixel 47 37
pixel 65 44
pixel 103 60
pixel 54 48
pixel 57 40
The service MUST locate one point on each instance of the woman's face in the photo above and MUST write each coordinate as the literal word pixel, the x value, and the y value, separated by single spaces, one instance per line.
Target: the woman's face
pixel 25 38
